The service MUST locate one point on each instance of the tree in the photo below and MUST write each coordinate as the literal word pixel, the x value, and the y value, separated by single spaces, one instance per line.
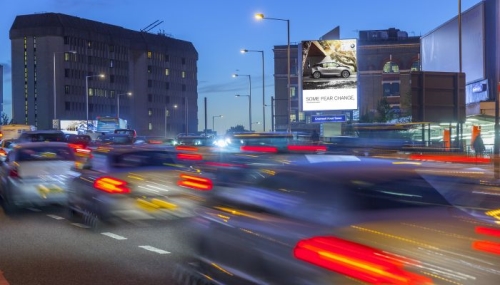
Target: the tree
pixel 384 111
pixel 237 129
pixel 4 119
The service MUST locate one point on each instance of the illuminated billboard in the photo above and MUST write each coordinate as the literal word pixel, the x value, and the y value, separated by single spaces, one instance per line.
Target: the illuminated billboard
pixel 329 75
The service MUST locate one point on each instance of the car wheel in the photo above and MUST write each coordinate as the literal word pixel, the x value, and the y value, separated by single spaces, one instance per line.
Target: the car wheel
pixel 345 74
pixel 93 221
pixel 316 74
pixel 72 215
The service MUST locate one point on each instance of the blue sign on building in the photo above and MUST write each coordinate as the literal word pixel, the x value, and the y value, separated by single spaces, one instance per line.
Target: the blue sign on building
pixel 328 119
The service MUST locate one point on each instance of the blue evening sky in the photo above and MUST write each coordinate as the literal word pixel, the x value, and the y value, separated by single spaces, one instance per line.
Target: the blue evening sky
pixel 219 29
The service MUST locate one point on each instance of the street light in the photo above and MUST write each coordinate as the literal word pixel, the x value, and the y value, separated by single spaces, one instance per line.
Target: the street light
pixel 249 111
pixel 87 93
pixel 118 102
pixel 213 121
pixel 260 17
pixel 55 87
pixel 249 99
pixel 263 87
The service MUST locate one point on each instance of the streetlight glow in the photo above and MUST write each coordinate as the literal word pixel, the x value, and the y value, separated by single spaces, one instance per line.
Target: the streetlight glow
pixel 263 86
pixel 118 102
pixel 261 16
pixel 249 99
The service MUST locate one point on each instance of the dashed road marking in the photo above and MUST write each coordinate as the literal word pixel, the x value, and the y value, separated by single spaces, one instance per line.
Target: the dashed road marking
pixel 112 235
pixel 55 217
pixel 80 225
pixel 154 249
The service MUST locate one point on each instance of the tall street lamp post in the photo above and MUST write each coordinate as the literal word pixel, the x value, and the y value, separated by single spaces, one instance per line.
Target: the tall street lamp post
pixel 55 86
pixel 249 98
pixel 249 111
pixel 261 16
pixel 263 87
pixel 118 102
pixel 87 93
pixel 213 121
pixel 166 117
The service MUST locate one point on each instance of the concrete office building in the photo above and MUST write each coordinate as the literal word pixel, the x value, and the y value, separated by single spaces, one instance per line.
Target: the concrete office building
pixel 55 56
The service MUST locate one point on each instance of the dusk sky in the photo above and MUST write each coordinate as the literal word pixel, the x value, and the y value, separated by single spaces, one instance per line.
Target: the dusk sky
pixel 219 29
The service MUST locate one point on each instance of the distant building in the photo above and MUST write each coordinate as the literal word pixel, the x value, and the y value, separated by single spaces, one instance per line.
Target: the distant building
pixel 53 50
pixel 1 90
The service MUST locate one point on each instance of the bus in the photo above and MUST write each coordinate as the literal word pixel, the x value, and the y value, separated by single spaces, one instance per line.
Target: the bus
pixel 13 131
pixel 109 124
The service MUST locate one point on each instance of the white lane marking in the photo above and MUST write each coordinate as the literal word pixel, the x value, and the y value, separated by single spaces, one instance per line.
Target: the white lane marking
pixel 34 209
pixel 3 281
pixel 154 249
pixel 112 235
pixel 80 225
pixel 55 217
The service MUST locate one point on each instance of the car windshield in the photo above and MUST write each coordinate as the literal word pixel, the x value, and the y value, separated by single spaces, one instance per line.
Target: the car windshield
pixel 111 139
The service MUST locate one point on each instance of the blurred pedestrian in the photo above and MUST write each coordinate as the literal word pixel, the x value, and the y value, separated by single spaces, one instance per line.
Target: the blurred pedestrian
pixel 315 137
pixel 478 146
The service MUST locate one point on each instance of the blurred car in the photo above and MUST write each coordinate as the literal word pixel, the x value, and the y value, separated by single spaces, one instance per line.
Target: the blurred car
pixel 42 136
pixel 132 184
pixel 112 139
pixel 154 140
pixel 369 221
pixel 36 174
pixel 131 132
pixel 330 68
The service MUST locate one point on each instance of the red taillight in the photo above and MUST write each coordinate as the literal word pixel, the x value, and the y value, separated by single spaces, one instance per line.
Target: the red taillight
pixel 195 182
pixel 186 148
pixel 189 156
pixel 13 173
pixel 357 261
pixel 111 185
pixel 307 148
pixel 76 146
pixel 271 149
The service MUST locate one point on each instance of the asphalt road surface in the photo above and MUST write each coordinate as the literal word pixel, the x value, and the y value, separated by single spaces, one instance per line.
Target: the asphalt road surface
pixel 39 246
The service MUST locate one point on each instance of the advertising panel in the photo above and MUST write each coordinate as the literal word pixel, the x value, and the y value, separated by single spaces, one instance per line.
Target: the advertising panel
pixel 329 75
pixel 77 126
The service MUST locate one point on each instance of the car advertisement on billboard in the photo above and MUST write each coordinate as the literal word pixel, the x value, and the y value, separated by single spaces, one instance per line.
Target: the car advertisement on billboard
pixel 329 75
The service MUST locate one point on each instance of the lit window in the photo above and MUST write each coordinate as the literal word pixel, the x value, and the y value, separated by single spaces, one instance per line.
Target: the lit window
pixel 150 127
pixel 91 91
pixel 111 64
pixel 167 72
pixel 150 112
pixel 150 54
pixel 183 74
pixel 391 67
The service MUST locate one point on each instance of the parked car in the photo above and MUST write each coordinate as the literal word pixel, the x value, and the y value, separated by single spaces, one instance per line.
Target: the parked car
pixel 330 68
pixel 42 136
pixel 36 174
pixel 130 184
pixel 370 221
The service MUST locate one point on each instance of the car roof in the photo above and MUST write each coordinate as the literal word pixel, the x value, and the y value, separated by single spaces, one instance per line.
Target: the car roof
pixel 40 144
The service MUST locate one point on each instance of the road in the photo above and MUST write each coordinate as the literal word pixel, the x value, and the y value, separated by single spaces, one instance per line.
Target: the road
pixel 39 246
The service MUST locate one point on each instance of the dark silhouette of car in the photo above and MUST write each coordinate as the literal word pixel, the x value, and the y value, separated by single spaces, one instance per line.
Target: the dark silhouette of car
pixel 330 68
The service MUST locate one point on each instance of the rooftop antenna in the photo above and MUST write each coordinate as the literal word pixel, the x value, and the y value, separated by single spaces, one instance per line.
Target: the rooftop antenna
pixel 145 29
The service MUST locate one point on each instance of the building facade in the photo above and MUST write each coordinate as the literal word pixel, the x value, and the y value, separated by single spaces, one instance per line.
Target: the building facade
pixel 57 60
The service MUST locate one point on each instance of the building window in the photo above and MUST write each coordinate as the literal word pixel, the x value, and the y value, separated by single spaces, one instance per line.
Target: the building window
pixel 167 58
pixel 167 100
pixel 183 74
pixel 183 60
pixel 167 72
pixel 150 98
pixel 293 92
pixel 91 91
pixel 415 66
pixel 150 126
pixel 111 78
pixel 150 54
pixel 149 68
pixel 111 48
pixel 150 112
pixel 66 89
pixel 66 40
pixel 167 85
pixel 111 63
pixel 391 67
pixel 183 87
pixel 67 56
pixel 66 72
pixel 67 106
pixel 391 88
pixel 89 44
pixel 150 83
